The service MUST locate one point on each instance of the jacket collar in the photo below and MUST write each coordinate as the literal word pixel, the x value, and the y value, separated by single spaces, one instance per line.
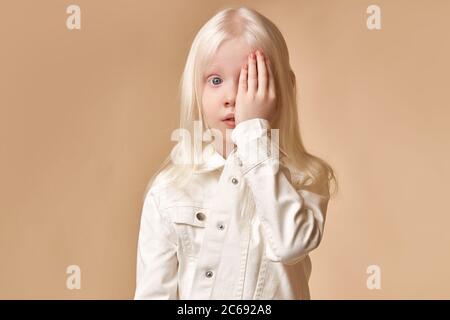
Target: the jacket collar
pixel 213 160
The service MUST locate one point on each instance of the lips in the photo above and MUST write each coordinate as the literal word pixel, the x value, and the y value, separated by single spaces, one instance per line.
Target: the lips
pixel 229 120
pixel 229 117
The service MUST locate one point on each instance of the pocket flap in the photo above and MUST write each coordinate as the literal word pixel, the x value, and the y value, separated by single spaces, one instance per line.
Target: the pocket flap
pixel 194 216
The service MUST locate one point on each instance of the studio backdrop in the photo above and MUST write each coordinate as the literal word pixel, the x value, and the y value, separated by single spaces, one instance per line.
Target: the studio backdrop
pixel 89 97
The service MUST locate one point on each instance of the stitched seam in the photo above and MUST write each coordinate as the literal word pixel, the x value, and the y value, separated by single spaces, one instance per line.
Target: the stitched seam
pixel 270 237
pixel 167 223
pixel 243 266
pixel 257 165
pixel 189 247
pixel 267 231
pixel 261 278
pixel 184 206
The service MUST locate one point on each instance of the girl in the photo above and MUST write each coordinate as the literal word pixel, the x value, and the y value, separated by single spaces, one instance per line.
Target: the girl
pixel 235 214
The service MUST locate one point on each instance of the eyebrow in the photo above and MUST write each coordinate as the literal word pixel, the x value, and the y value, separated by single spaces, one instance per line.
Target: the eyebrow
pixel 212 68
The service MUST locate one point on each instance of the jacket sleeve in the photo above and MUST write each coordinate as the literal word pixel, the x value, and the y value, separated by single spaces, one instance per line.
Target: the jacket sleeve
pixel 157 263
pixel 293 220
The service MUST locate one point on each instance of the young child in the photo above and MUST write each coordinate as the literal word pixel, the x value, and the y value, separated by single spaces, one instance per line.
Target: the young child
pixel 236 208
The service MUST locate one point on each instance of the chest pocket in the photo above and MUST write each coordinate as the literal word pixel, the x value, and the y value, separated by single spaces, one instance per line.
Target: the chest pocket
pixel 189 223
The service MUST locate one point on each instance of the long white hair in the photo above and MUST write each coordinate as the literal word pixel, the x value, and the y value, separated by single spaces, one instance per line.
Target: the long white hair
pixel 259 32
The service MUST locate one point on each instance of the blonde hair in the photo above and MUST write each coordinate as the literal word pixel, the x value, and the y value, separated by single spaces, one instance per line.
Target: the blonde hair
pixel 259 32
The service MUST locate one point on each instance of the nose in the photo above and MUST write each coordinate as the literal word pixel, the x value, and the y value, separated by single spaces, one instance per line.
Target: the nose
pixel 230 95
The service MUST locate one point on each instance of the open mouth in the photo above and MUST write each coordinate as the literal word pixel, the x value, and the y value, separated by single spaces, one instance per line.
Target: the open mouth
pixel 229 121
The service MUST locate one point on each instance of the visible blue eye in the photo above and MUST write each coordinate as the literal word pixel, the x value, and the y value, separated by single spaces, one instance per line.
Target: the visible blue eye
pixel 215 82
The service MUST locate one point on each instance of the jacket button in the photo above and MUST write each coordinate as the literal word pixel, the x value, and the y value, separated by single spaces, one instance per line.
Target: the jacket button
pixel 209 274
pixel 200 216
pixel 220 226
pixel 234 181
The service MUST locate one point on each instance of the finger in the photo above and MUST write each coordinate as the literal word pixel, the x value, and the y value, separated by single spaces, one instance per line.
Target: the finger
pixel 271 77
pixel 262 73
pixel 252 74
pixel 243 78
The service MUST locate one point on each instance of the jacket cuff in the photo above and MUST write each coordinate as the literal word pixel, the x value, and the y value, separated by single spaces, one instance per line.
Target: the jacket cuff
pixel 252 138
pixel 250 129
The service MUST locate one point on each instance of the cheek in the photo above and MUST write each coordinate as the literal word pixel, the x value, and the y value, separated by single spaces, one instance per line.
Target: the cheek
pixel 208 98
pixel 209 104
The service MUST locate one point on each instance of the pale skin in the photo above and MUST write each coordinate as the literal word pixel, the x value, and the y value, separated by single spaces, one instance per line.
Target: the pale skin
pixel 246 87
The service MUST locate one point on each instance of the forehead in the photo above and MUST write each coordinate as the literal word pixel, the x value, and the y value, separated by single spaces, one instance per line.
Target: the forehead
pixel 230 54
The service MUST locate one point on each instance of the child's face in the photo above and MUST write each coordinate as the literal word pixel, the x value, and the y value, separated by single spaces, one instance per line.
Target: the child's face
pixel 220 84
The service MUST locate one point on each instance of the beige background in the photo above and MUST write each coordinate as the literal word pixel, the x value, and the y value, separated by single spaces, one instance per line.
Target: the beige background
pixel 86 117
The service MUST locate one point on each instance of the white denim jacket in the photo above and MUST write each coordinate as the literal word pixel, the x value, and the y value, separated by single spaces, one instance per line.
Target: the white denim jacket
pixel 240 230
